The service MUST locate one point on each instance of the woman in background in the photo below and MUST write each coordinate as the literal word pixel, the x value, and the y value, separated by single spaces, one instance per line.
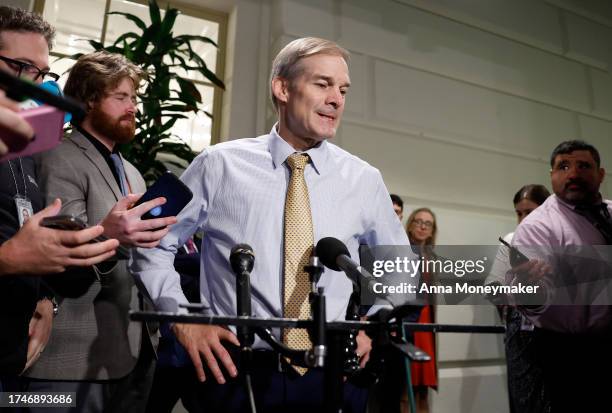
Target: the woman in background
pixel 525 390
pixel 422 229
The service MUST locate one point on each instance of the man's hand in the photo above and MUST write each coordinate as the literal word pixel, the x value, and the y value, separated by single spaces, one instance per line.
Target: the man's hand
pixel 125 224
pixel 39 331
pixel 205 340
pixel 11 123
pixel 532 271
pixel 39 250
pixel 364 347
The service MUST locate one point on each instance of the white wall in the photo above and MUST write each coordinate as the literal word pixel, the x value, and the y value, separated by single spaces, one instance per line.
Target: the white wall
pixel 458 103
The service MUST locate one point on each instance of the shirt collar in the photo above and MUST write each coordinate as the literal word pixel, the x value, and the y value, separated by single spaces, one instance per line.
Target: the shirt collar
pixel 97 144
pixel 599 202
pixel 280 151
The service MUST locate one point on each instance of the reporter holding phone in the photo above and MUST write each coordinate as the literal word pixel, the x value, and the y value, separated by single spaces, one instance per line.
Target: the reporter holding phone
pixel 28 250
pixel 571 342
pixel 113 359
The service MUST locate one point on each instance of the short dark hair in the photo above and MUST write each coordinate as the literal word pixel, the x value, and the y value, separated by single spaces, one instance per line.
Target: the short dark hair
pixel 533 192
pixel 567 147
pixel 397 201
pixel 19 20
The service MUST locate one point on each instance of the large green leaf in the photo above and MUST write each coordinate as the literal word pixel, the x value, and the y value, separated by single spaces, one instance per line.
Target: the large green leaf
pixel 168 23
pixel 188 38
pixel 154 12
pixel 141 25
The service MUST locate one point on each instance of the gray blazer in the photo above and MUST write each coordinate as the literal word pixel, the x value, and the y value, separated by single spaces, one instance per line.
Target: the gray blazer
pixel 92 337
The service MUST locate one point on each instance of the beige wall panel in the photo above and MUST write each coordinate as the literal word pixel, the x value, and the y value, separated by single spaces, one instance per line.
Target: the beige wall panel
pixel 416 167
pixel 430 104
pixel 586 41
pixel 598 10
pixel 419 39
pixel 357 97
pixel 602 92
pixel 461 347
pixel 308 18
pixel 599 134
pixel 472 389
pixel 527 21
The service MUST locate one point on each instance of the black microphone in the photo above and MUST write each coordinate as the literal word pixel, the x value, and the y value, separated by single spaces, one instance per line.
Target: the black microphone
pixel 242 260
pixel 334 255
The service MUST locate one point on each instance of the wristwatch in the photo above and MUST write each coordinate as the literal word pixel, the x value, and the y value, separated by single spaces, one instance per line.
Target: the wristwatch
pixel 54 303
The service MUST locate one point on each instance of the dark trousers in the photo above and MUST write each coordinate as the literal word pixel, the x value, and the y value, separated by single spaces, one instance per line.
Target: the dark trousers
pixel 172 384
pixel 274 390
pixel 576 370
pixel 127 394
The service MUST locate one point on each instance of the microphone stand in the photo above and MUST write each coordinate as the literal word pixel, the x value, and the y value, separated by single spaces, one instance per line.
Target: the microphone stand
pixel 327 345
pixel 316 357
pixel 245 336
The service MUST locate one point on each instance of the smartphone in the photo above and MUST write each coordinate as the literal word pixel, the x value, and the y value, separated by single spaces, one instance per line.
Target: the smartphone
pixel 47 122
pixel 63 222
pixel 516 257
pixel 72 223
pixel 177 196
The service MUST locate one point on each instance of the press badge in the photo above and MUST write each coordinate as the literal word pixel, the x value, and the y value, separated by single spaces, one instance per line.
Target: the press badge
pixel 24 209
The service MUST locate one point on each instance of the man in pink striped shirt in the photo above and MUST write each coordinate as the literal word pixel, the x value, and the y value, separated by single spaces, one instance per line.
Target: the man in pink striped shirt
pixel 573 336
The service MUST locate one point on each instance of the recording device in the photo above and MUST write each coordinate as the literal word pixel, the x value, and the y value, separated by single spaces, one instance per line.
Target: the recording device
pixel 54 88
pixel 242 260
pixel 335 256
pixel 72 223
pixel 177 196
pixel 516 257
pixel 19 89
pixel 47 123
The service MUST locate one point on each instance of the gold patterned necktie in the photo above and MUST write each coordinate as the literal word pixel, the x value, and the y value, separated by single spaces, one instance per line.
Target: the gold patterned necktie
pixel 299 240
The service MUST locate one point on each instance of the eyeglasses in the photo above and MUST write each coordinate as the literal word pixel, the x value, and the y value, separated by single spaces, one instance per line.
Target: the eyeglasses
pixel 421 223
pixel 28 70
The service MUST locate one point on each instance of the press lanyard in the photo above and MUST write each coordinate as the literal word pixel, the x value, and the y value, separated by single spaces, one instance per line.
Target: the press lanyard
pixel 22 202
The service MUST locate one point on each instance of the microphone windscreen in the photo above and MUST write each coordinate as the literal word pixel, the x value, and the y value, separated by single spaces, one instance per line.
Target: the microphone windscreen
pixel 242 258
pixel 52 86
pixel 328 249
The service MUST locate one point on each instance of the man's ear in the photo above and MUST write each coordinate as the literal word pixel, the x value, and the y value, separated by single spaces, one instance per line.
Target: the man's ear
pixel 602 175
pixel 280 88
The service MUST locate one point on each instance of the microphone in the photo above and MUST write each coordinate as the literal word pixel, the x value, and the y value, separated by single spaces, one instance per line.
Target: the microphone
pixel 242 260
pixel 334 255
pixel 53 87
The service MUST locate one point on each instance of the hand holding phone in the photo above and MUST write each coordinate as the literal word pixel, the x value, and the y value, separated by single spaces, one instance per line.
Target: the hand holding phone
pixel 168 186
pixel 526 270
pixel 38 250
pixel 15 132
pixel 72 223
pixel 125 222
pixel 47 123
pixel 516 257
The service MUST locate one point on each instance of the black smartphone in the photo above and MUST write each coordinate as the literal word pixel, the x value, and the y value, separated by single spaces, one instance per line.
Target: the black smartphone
pixel 516 257
pixel 72 223
pixel 63 222
pixel 177 196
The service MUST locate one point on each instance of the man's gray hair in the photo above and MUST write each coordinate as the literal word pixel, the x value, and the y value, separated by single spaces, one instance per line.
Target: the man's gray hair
pixel 286 63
